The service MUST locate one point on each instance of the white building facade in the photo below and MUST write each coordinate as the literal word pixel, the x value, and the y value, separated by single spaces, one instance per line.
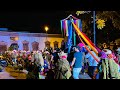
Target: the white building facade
pixel 29 41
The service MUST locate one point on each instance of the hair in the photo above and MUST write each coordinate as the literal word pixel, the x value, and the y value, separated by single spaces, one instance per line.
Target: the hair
pixel 78 48
pixel 99 54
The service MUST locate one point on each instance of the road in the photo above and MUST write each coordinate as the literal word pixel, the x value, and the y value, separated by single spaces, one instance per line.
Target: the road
pixel 84 76
pixel 5 75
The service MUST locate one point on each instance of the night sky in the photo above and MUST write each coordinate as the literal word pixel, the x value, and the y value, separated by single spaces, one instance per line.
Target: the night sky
pixel 32 21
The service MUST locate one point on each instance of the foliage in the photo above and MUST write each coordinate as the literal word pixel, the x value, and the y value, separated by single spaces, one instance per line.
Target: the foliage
pixel 114 16
pixel 86 17
pixel 100 23
pixel 111 23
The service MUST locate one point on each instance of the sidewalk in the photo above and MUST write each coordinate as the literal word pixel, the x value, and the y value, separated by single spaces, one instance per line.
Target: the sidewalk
pixel 84 76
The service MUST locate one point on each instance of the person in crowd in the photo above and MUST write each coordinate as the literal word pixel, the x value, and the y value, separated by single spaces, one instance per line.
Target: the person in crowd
pixel 71 55
pixel 110 69
pixel 48 58
pixel 54 57
pixel 77 62
pixel 118 54
pixel 92 62
pixel 63 70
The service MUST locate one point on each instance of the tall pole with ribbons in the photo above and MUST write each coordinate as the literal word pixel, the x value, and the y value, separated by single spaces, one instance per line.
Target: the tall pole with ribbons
pixel 68 30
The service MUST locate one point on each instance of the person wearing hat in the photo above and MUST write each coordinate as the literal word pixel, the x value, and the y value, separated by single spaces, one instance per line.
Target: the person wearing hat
pixel 63 67
pixel 118 54
pixel 110 68
pixel 92 62
pixel 77 62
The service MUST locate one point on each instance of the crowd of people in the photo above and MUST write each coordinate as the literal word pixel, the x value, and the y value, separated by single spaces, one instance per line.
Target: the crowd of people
pixel 59 64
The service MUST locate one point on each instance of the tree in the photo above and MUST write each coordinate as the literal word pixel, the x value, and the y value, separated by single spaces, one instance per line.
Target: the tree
pixel 111 22
pixel 114 16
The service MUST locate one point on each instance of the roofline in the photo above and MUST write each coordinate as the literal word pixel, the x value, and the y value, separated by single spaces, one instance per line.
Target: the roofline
pixel 6 33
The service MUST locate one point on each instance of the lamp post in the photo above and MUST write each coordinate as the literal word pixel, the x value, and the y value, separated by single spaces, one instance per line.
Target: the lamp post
pixel 46 29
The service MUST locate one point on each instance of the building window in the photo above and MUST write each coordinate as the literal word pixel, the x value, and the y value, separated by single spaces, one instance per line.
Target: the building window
pixel 25 45
pixel 63 45
pixel 3 46
pixel 55 44
pixel 14 46
pixel 35 46
pixel 47 44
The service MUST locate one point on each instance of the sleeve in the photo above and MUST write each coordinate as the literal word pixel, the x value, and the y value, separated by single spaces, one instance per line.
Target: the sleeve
pixel 87 55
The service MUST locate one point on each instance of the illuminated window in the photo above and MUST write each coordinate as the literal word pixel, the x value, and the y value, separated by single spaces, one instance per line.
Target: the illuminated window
pixel 47 44
pixel 55 44
pixel 35 46
pixel 25 45
pixel 3 46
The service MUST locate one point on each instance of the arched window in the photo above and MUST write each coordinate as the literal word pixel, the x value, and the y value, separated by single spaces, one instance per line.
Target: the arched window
pixel 3 46
pixel 55 44
pixel 35 46
pixel 47 44
pixel 14 46
pixel 25 45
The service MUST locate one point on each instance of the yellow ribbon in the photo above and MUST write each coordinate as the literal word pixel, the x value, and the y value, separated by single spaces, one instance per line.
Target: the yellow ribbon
pixel 79 33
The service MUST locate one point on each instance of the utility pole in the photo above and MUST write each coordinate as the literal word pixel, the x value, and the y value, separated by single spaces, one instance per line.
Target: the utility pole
pixel 94 20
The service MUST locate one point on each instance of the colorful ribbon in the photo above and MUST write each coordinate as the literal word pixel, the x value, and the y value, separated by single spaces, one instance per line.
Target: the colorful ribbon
pixel 89 50
pixel 80 33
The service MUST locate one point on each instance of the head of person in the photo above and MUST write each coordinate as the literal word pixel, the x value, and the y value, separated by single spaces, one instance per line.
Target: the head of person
pixel 108 53
pixel 77 49
pixel 54 50
pixel 63 55
pixel 118 51
pixel 89 48
pixel 47 52
pixel 83 49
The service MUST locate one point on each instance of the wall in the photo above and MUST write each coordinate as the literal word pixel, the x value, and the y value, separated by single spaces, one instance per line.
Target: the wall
pixel 40 40
pixel 53 39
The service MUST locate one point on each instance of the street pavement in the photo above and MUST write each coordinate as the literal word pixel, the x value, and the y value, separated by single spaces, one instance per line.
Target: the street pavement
pixel 84 76
pixel 5 75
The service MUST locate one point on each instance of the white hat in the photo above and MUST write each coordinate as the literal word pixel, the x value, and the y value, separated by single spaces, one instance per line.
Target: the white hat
pixel 107 51
pixel 63 54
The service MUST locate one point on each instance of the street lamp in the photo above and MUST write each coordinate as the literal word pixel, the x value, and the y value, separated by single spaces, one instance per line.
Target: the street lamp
pixel 46 29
